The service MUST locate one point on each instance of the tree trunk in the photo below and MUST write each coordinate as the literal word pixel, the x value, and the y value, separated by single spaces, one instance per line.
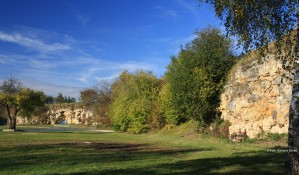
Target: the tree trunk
pixel 14 123
pixel 292 162
pixel 14 118
pixel 9 122
pixel 11 119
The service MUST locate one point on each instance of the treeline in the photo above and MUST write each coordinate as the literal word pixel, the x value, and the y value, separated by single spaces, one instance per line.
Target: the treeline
pixel 190 89
pixel 59 99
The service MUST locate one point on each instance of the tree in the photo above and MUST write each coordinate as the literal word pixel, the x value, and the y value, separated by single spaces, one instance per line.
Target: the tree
pixel 3 119
pixel 50 99
pixel 257 23
pixel 73 100
pixel 133 98
pixel 196 77
pixel 59 98
pixel 165 108
pixel 16 99
pixel 98 100
pixel 89 97
pixel 104 99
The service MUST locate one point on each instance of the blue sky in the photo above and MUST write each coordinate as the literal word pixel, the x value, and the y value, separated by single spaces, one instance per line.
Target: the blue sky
pixel 68 45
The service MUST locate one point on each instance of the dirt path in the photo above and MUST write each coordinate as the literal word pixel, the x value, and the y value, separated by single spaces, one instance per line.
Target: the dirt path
pixel 60 128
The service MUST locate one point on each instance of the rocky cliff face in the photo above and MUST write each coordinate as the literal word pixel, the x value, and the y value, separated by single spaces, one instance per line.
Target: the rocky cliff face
pixel 56 115
pixel 257 97
pixel 70 115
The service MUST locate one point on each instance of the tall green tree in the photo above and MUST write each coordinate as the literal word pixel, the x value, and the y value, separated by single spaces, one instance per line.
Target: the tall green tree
pixel 257 23
pixel 196 77
pixel 167 113
pixel 50 99
pixel 18 100
pixel 59 98
pixel 133 97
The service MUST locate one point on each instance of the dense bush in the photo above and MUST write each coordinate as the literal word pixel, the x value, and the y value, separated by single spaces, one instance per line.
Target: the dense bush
pixel 133 98
pixel 197 75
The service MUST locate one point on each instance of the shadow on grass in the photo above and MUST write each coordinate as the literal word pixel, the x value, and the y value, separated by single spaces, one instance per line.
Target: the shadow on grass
pixel 65 156
pixel 247 165
pixel 55 129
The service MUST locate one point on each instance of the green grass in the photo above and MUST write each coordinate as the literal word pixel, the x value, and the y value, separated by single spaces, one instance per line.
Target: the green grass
pixel 147 154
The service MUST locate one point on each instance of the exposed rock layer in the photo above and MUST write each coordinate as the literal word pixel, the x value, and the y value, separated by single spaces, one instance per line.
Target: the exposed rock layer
pixel 257 97
pixel 70 115
pixel 57 115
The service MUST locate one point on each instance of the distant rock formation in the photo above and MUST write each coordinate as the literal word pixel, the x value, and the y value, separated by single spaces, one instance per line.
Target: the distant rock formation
pixel 70 115
pixel 56 114
pixel 257 96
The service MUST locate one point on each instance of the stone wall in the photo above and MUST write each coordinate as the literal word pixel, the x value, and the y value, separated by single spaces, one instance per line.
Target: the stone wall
pixel 257 96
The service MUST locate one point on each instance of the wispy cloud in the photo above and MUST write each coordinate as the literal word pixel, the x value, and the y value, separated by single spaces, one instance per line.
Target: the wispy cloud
pixel 32 43
pixel 61 63
pixel 191 8
pixel 109 70
pixel 171 13
pixel 173 44
pixel 83 20
pixel 184 40
pixel 165 12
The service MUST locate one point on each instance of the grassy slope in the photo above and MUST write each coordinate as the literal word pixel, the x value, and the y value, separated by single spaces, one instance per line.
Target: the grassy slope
pixel 117 153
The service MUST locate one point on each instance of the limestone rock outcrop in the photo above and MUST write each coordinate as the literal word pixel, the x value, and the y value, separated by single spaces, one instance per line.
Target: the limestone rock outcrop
pixel 56 115
pixel 256 98
pixel 70 116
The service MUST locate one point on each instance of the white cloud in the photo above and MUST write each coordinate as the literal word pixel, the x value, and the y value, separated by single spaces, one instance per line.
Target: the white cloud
pixel 32 43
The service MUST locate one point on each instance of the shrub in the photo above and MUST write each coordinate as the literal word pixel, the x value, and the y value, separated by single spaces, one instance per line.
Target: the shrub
pixel 220 129
pixel 133 98
pixel 275 136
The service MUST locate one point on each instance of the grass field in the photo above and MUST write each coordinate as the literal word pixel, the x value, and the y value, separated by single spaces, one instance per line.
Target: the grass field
pixel 86 152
